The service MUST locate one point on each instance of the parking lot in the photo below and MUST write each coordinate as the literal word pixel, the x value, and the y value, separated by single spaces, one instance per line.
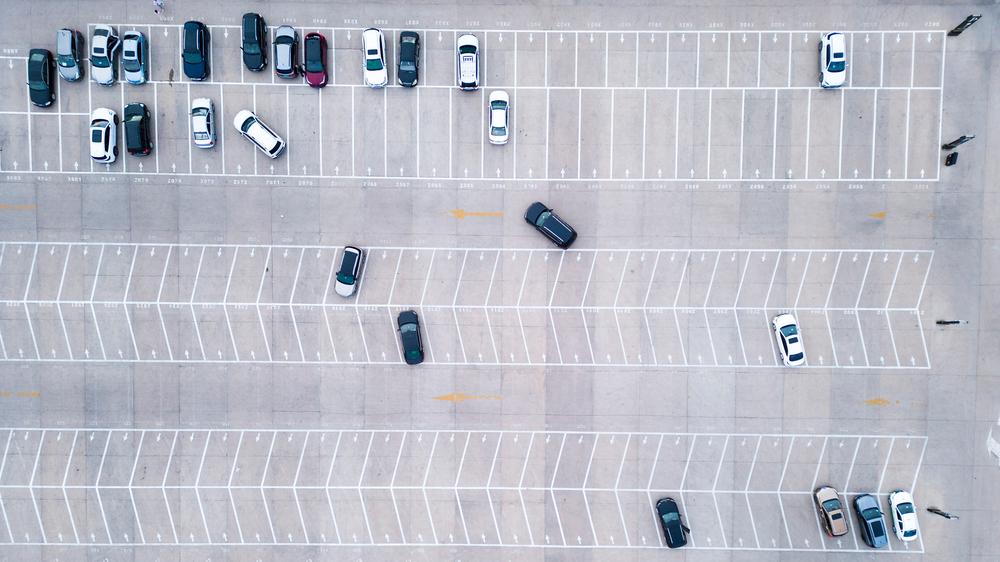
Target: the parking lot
pixel 586 105
pixel 641 308
pixel 197 487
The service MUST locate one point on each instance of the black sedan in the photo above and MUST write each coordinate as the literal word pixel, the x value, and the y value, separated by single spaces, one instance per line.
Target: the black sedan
pixel 549 224
pixel 40 78
pixel 673 526
pixel 409 335
pixel 195 53
pixel 253 44
pixel 409 58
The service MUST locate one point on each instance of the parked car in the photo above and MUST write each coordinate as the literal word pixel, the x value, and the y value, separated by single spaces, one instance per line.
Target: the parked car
pixel 203 122
pixel 104 135
pixel 674 530
pixel 468 62
pixel 870 521
pixel 786 331
pixel 40 75
pixel 286 52
pixel 315 59
pixel 373 46
pixel 350 271
pixel 251 127
pixel 138 141
pixel 135 57
pixel 409 336
pixel 832 60
pixel 549 224
pixel 408 69
pixel 499 117
pixel 195 56
pixel 831 511
pixel 904 515
pixel 254 44
pixel 103 46
pixel 68 54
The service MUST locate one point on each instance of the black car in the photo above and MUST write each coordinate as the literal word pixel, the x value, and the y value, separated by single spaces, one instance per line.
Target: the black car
pixel 673 525
pixel 409 58
pixel 254 42
pixel 409 335
pixel 137 139
pixel 195 50
pixel 40 77
pixel 549 224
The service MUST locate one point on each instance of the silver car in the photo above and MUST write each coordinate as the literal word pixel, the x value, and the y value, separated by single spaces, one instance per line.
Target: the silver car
pixel 68 54
pixel 102 55
pixel 203 122
pixel 135 57
pixel 286 48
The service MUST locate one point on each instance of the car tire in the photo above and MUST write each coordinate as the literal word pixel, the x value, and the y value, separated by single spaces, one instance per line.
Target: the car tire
pixel 115 152
pixel 819 47
pixel 116 120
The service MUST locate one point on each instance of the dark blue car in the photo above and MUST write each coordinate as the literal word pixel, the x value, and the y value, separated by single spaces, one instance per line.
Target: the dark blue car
pixel 195 53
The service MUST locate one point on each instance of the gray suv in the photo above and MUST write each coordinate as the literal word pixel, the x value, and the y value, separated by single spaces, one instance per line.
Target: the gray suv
pixel 68 54
pixel 871 521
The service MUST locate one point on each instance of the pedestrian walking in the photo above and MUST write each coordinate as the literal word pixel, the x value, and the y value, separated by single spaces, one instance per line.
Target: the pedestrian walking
pixel 158 7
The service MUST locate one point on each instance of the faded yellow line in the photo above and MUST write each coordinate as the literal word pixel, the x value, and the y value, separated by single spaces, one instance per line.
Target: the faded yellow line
pixel 22 207
pixel 462 397
pixel 462 213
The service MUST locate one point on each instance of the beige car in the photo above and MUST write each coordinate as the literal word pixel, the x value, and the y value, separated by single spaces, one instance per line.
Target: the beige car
pixel 831 511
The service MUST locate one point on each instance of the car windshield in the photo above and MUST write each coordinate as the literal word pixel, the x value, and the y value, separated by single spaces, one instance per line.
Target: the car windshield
pixel 837 66
pixel 836 516
pixel 905 508
pixel 131 64
pixel 671 517
pixel 200 112
pixel 544 216
pixel 789 330
pixel 795 357
pixel 464 49
pixel 498 131
pixel 96 135
pixel 192 57
pixel 407 328
pixel 831 505
pixel 373 64
pixel 314 56
pixel 200 135
pixel 910 533
pixel 345 278
pixel 877 529
pixel 407 66
pixel 100 61
pixel 66 61
pixel 413 353
pixel 870 513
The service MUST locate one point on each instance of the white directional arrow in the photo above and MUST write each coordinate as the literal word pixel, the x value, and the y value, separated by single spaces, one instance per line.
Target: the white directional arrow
pixel 560 37
pixel 855 172
pixel 921 177
pixel 531 173
pixel 562 172
pixel 692 172
pixel 756 172
pixel 531 38
pixel 594 173
pixel 888 173
pixel 822 173
pixel 659 173
pixel 45 165
pixel 336 170
pixel 498 172
pixel 501 38
pixel 76 166
pixel 591 37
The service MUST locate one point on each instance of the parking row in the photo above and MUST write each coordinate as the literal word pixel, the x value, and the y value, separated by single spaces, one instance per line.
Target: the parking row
pixel 737 491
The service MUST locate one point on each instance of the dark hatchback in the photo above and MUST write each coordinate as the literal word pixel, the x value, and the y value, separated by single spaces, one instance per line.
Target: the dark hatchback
pixel 409 336
pixel 549 224
pixel 314 47
pixel 40 77
pixel 409 59
pixel 871 521
pixel 674 530
pixel 137 138
pixel 195 53
pixel 254 45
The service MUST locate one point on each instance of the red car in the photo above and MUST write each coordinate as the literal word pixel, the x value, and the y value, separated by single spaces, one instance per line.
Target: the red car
pixel 315 59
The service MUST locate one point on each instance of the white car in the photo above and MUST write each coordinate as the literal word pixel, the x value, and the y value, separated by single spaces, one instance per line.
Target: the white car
pixel 203 122
pixel 904 515
pixel 786 331
pixel 832 60
pixel 350 271
pixel 373 54
pixel 135 58
pixel 104 135
pixel 468 62
pixel 251 127
pixel 103 46
pixel 499 117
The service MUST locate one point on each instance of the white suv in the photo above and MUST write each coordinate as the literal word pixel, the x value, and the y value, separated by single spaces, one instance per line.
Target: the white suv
pixel 373 54
pixel 832 60
pixel 468 62
pixel 251 127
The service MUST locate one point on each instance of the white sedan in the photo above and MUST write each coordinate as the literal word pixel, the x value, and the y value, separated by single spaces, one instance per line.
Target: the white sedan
pixel 904 515
pixel 373 54
pixel 203 122
pixel 104 135
pixel 786 331
pixel 832 60
pixel 499 117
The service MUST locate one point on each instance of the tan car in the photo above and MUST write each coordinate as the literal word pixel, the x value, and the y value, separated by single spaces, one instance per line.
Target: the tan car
pixel 831 511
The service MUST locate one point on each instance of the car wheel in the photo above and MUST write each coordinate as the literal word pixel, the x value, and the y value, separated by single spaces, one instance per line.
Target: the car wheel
pixel 116 119
pixel 819 47
pixel 115 152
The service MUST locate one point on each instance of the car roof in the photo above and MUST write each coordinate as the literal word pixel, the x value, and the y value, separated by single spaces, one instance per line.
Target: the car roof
pixel 64 40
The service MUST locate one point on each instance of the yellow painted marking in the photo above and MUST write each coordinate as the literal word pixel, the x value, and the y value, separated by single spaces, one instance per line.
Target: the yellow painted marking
pixel 877 402
pixel 9 207
pixel 462 213
pixel 878 215
pixel 462 397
